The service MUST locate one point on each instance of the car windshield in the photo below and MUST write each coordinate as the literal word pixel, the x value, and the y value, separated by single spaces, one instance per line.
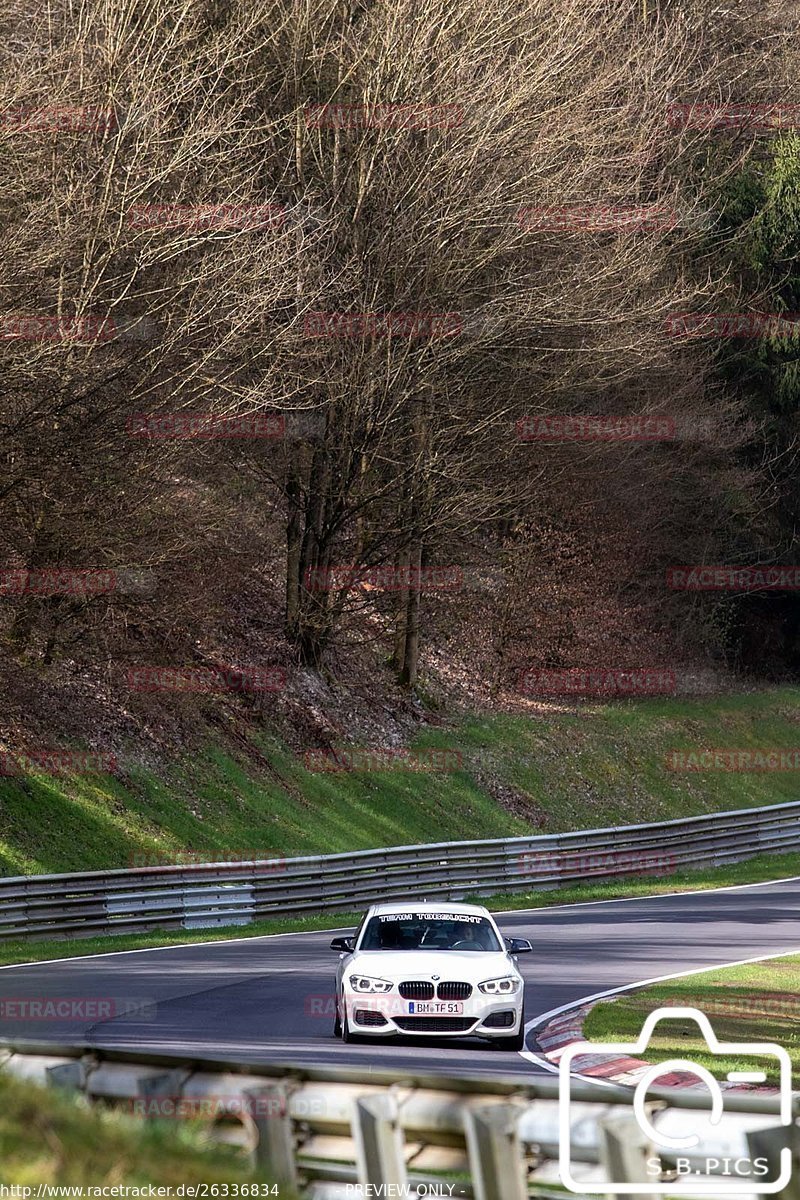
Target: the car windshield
pixel 429 931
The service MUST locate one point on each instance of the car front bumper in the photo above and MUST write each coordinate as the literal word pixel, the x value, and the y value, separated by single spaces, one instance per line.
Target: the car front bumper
pixel 388 1015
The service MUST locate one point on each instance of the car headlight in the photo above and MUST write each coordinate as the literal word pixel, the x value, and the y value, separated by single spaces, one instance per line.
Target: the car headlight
pixel 365 983
pixel 506 985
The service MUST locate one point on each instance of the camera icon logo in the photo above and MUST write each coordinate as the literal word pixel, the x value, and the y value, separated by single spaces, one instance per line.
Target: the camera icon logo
pixel 681 1161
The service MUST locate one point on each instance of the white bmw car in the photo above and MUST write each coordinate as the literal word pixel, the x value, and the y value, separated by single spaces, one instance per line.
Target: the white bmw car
pixel 433 970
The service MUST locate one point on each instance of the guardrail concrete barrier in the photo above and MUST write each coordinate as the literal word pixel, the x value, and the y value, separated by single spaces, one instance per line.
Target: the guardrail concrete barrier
pixel 225 894
pixel 317 1132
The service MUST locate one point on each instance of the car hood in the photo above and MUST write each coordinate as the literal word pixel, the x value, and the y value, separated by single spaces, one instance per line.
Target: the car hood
pixel 470 966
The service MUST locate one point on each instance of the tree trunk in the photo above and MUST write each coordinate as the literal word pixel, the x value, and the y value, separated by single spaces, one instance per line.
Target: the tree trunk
pixel 401 600
pixel 294 540
pixel 22 623
pixel 401 613
pixel 408 674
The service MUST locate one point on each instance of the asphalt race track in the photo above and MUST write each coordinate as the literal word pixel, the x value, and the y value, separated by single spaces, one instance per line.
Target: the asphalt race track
pixel 269 999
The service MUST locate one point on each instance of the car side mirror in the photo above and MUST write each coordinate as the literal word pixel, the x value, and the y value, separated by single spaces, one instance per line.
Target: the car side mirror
pixel 518 946
pixel 346 945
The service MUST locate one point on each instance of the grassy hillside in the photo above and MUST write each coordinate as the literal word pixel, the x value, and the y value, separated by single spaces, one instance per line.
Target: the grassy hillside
pixel 586 767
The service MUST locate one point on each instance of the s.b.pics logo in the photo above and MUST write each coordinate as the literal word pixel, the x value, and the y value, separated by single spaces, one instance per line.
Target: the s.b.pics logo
pixel 685 1152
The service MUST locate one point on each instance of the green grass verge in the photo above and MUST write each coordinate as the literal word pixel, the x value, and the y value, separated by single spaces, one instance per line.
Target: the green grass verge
pixel 756 870
pixel 12 952
pixel 758 1002
pixel 49 1137
pixel 590 766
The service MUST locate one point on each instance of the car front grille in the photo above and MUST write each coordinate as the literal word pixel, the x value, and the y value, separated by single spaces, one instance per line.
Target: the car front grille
pixel 416 989
pixel 454 991
pixel 434 1024
pixel 368 1016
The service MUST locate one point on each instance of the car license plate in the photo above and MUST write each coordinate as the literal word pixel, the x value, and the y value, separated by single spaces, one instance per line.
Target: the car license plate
pixel 440 1008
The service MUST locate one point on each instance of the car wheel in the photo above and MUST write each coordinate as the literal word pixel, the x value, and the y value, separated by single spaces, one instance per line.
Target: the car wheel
pixel 517 1042
pixel 337 1021
pixel 347 1037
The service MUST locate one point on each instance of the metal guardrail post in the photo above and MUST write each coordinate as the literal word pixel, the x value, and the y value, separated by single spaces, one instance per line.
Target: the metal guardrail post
pixel 155 1089
pixel 770 1144
pixel 380 1144
pixel 69 1076
pixel 495 1152
pixel 268 1108
pixel 624 1151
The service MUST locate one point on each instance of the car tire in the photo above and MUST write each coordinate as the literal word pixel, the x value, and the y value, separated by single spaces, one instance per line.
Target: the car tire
pixel 337 1022
pixel 347 1037
pixel 517 1042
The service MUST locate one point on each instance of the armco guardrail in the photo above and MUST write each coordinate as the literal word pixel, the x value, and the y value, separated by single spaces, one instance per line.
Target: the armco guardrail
pixel 319 1132
pixel 219 894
